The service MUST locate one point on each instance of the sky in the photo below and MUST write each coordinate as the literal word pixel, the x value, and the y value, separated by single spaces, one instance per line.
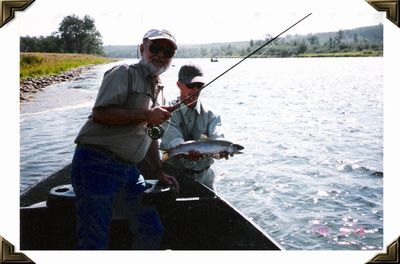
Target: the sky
pixel 206 21
pixel 123 22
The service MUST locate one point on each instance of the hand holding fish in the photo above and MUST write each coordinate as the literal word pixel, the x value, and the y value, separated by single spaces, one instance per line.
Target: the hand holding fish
pixel 194 155
pixel 223 154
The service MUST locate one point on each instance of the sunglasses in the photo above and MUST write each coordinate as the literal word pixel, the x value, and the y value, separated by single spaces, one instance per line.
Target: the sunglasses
pixel 194 85
pixel 167 51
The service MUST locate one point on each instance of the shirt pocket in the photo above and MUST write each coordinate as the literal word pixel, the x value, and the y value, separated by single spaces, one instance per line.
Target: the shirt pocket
pixel 138 101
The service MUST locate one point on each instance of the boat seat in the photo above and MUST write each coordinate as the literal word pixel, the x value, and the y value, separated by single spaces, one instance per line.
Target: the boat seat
pixel 63 196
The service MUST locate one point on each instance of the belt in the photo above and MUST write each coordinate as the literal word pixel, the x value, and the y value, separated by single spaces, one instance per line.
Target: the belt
pixel 193 171
pixel 104 151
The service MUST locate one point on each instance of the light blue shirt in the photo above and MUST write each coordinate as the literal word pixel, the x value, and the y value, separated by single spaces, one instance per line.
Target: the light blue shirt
pixel 191 124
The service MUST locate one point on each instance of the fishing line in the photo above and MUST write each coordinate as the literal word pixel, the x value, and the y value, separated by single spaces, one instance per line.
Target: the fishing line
pixel 156 131
pixel 262 54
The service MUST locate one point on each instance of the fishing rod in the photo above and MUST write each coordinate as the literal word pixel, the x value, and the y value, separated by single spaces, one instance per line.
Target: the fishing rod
pixel 156 131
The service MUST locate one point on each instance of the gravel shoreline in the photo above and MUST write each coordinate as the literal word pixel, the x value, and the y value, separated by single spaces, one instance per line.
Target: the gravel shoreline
pixel 30 86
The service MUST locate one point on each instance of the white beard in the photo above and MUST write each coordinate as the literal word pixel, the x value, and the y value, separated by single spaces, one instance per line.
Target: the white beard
pixel 153 69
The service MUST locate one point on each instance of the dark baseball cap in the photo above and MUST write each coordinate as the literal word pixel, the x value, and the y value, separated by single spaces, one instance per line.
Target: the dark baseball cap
pixel 191 73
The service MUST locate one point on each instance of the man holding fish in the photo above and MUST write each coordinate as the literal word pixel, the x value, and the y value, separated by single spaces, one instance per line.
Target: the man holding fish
pixel 193 121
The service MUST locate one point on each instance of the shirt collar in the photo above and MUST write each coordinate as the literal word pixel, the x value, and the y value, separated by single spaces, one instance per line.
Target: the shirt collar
pixel 184 107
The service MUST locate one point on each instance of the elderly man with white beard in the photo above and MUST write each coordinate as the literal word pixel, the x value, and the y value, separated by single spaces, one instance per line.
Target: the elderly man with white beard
pixel 113 142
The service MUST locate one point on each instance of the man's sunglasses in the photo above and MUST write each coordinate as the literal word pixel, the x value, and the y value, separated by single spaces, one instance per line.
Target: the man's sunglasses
pixel 167 51
pixel 194 85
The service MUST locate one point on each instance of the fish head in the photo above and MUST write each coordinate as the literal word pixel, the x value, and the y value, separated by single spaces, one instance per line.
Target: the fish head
pixel 235 149
pixel 238 147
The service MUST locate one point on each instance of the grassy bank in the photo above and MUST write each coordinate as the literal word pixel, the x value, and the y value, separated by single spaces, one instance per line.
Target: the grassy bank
pixel 368 53
pixel 45 64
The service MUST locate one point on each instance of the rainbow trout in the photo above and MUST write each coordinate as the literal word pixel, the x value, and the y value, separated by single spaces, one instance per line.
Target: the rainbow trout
pixel 208 147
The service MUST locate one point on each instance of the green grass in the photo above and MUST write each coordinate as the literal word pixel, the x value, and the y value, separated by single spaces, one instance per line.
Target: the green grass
pixel 46 64
pixel 367 53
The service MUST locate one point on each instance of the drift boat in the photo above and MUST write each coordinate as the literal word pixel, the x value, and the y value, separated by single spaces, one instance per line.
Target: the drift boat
pixel 198 219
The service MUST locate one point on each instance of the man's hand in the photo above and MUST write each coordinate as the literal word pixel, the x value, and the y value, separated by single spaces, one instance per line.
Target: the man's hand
pixel 158 115
pixel 166 179
pixel 169 108
pixel 223 154
pixel 194 155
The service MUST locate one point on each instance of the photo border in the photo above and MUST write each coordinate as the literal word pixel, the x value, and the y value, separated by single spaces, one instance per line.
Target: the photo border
pixel 7 10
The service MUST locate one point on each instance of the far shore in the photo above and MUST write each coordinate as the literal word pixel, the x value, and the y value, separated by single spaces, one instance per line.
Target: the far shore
pixel 39 70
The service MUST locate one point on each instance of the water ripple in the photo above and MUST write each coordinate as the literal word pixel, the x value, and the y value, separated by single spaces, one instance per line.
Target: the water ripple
pixel 312 172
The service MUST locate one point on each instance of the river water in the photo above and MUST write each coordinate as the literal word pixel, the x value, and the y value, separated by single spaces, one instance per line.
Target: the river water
pixel 311 174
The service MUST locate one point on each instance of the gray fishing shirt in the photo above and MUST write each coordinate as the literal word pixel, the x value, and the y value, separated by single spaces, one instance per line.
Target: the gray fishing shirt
pixel 130 87
pixel 190 124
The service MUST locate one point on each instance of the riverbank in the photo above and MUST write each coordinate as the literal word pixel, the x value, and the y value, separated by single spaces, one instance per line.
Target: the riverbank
pixel 38 70
pixel 342 54
pixel 30 86
pixel 367 53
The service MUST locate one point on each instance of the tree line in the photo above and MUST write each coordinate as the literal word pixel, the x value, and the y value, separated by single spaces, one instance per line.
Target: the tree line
pixel 366 40
pixel 74 35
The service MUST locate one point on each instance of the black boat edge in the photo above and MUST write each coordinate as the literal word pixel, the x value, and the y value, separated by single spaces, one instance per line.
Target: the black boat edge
pixel 201 220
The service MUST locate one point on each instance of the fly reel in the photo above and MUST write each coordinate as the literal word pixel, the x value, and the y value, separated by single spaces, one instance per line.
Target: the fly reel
pixel 154 131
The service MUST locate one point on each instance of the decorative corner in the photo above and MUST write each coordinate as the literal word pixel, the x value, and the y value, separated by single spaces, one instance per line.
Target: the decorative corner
pixel 391 256
pixel 7 254
pixel 391 7
pixel 8 8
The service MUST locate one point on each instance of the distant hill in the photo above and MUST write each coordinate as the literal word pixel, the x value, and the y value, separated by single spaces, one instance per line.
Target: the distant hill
pixel 361 41
pixel 370 33
pixel 123 51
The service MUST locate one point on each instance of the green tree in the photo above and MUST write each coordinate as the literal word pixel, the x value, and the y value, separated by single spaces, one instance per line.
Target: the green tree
pixel 204 52
pixel 313 40
pixel 268 37
pixel 92 43
pixel 302 48
pixel 51 43
pixel 355 38
pixel 330 44
pixel 29 44
pixel 80 35
pixel 338 38
pixel 251 43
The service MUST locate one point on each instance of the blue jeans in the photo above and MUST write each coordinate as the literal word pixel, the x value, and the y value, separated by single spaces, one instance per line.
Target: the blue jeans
pixel 96 178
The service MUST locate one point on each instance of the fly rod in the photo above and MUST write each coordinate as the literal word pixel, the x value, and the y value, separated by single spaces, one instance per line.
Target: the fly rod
pixel 156 132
